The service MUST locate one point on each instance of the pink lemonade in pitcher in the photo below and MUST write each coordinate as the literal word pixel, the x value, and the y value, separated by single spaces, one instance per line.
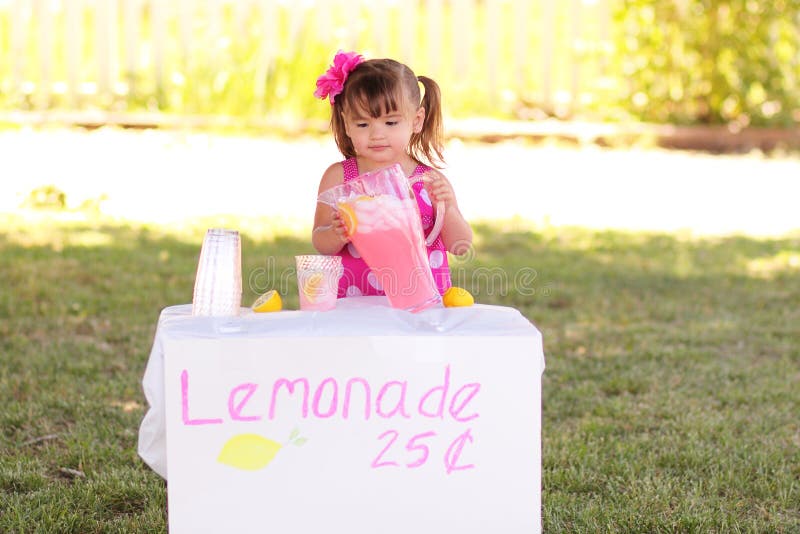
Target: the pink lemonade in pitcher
pixel 387 232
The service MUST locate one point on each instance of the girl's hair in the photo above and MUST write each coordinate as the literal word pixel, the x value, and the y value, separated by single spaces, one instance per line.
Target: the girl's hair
pixel 379 86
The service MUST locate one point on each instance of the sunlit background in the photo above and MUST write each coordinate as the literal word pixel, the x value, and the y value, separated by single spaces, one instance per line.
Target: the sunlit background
pixel 163 110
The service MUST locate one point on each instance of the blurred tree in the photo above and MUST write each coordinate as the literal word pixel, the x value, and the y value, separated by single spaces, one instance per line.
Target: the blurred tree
pixel 710 61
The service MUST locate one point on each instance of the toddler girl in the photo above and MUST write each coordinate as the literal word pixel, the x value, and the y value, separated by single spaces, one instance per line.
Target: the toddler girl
pixel 378 119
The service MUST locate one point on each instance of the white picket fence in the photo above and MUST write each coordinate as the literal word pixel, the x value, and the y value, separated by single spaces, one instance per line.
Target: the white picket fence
pixel 551 47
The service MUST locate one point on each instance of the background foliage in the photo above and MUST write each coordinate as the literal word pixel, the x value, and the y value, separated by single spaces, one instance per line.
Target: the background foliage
pixel 710 61
pixel 664 61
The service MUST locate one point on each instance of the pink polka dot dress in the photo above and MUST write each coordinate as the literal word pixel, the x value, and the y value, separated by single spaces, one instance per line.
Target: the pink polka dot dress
pixel 358 279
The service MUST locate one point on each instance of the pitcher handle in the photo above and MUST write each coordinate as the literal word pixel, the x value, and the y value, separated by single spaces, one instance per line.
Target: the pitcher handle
pixel 437 225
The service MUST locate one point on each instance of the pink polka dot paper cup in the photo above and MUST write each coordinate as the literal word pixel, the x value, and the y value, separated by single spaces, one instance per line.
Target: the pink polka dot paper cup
pixel 318 281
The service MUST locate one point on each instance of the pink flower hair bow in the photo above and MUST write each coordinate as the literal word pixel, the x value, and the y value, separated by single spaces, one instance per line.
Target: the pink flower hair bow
pixel 331 83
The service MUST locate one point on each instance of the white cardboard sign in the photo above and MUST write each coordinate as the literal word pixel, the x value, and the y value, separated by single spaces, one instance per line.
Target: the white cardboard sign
pixel 354 434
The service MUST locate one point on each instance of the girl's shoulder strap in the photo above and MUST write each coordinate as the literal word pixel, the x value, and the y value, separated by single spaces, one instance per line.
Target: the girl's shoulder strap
pixel 420 170
pixel 350 167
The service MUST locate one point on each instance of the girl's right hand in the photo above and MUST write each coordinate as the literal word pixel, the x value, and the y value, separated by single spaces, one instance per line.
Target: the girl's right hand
pixel 339 228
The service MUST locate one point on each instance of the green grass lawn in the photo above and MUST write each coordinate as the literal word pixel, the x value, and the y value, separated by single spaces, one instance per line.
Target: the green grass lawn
pixel 671 399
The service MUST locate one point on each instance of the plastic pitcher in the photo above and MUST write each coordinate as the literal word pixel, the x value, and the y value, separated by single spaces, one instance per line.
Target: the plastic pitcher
pixel 382 217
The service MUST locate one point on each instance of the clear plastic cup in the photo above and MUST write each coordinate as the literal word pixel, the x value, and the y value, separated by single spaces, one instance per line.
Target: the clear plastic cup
pixel 218 283
pixel 318 281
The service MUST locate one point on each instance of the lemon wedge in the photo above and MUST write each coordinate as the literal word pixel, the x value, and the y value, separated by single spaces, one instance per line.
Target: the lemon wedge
pixel 268 302
pixel 457 296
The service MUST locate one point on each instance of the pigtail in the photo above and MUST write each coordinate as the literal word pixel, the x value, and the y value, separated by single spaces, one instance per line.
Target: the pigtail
pixel 429 142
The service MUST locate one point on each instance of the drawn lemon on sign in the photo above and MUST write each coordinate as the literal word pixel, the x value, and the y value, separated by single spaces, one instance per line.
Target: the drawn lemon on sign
pixel 249 451
pixel 252 452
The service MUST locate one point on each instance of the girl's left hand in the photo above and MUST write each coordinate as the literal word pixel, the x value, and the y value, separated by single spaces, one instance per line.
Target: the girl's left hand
pixel 439 189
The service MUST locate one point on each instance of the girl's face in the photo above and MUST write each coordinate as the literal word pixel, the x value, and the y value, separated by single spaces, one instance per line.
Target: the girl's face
pixel 382 140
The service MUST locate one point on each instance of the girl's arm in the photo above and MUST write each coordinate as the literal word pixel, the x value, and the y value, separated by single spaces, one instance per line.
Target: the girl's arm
pixel 456 231
pixel 329 234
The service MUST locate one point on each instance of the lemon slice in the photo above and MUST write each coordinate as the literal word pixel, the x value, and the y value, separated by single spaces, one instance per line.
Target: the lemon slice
pixel 268 302
pixel 457 296
pixel 311 286
pixel 348 214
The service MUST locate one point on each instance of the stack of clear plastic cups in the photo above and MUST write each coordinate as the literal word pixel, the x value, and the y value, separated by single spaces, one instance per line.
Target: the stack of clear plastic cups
pixel 218 283
pixel 318 281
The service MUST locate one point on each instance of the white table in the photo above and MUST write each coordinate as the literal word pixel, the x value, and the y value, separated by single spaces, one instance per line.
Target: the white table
pixel 360 419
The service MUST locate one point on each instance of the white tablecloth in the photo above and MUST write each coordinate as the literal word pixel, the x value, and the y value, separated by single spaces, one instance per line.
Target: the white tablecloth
pixel 360 316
